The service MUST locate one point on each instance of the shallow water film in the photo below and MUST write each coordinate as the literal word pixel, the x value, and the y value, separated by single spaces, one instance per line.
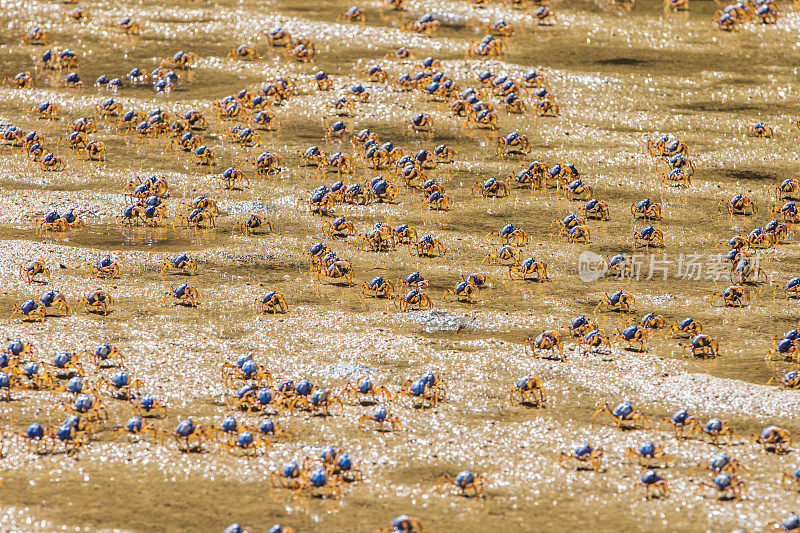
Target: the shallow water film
pixel 485 265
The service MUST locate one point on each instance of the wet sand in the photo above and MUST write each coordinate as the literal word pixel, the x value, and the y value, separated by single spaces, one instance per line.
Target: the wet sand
pixel 619 80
